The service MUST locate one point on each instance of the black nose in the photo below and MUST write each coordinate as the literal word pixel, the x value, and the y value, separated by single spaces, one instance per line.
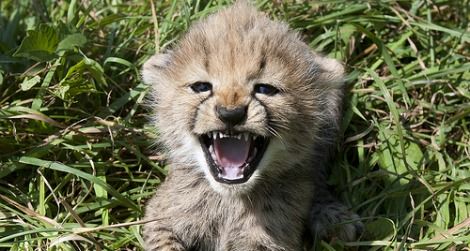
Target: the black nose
pixel 231 116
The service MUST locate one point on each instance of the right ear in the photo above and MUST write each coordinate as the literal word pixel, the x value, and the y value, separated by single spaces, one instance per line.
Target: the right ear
pixel 154 67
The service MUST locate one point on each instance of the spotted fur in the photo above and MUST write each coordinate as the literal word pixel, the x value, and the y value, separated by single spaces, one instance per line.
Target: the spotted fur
pixel 233 50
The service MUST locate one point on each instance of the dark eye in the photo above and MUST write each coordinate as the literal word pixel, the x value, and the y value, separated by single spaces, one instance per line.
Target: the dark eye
pixel 201 87
pixel 266 89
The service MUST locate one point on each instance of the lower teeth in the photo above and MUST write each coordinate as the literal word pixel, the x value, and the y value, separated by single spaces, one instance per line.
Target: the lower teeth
pixel 211 151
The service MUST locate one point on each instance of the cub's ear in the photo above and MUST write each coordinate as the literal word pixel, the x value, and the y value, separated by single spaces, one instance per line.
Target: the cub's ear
pixel 154 67
pixel 331 71
pixel 330 80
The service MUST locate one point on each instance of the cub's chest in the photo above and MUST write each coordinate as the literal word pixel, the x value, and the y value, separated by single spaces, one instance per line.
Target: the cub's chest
pixel 217 218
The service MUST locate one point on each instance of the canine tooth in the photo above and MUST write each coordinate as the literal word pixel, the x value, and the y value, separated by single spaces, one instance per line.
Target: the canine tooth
pixel 211 149
pixel 221 135
pixel 214 135
pixel 246 136
pixel 213 156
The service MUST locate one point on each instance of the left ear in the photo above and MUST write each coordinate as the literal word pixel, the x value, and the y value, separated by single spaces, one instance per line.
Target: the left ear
pixel 331 71
pixel 330 79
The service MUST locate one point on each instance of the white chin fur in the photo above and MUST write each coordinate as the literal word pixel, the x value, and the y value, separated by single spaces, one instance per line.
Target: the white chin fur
pixel 188 149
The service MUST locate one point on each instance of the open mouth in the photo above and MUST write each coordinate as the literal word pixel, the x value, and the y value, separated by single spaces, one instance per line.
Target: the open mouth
pixel 233 156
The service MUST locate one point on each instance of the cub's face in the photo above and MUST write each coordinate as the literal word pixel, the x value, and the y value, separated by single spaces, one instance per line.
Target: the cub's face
pixel 241 98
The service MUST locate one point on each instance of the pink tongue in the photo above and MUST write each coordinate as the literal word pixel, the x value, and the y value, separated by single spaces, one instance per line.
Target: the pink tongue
pixel 231 155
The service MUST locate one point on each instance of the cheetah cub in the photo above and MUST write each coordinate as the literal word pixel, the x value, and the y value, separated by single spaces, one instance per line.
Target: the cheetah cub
pixel 248 114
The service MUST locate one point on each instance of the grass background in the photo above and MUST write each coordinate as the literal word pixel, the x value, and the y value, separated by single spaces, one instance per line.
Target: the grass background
pixel 77 155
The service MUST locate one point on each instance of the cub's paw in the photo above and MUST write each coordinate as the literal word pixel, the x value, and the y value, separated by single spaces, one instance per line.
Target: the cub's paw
pixel 335 221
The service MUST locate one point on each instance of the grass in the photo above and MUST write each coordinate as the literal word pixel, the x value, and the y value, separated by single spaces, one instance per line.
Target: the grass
pixel 77 158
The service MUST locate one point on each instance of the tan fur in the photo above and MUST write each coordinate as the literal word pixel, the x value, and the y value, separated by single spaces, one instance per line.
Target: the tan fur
pixel 235 49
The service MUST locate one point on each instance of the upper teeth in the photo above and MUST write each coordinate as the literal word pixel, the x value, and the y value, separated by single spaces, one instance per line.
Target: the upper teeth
pixel 241 136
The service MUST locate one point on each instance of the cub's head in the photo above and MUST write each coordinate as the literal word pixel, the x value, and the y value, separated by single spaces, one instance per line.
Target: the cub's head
pixel 242 98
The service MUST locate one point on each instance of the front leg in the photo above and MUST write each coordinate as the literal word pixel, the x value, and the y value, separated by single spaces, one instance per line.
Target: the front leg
pixel 158 238
pixel 159 232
